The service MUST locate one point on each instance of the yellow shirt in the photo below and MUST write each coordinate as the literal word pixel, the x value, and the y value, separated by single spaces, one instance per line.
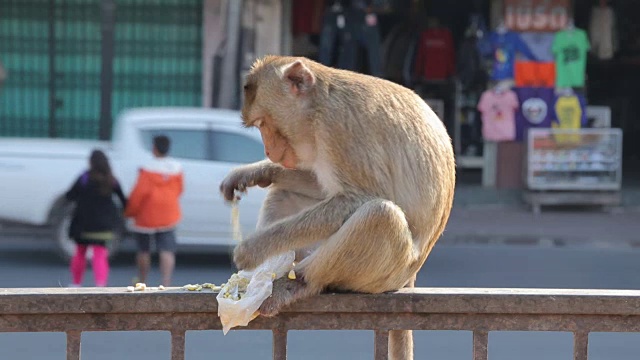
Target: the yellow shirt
pixel 569 115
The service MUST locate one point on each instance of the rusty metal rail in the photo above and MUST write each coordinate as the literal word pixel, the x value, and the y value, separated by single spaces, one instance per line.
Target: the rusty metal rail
pixel 478 310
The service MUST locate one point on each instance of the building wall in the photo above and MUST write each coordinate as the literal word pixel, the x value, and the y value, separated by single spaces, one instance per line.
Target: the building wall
pixel 53 56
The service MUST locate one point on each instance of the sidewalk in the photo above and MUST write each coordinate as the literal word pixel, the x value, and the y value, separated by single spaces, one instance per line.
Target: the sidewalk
pixel 482 224
pixel 482 215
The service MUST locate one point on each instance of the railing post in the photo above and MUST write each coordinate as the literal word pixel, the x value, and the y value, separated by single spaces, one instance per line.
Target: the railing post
pixel 73 344
pixel 381 345
pixel 279 344
pixel 480 342
pixel 177 344
pixel 580 345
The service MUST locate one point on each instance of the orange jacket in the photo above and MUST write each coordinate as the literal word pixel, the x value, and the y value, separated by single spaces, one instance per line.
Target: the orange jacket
pixel 154 202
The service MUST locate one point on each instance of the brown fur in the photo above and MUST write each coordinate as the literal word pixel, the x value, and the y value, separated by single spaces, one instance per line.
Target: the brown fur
pixel 366 188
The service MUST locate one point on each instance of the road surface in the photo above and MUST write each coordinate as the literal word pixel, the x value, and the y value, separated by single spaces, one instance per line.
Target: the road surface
pixel 25 263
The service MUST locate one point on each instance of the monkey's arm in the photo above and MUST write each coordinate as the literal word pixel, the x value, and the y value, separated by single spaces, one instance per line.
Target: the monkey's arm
pixel 299 181
pixel 298 231
pixel 264 173
pixel 259 173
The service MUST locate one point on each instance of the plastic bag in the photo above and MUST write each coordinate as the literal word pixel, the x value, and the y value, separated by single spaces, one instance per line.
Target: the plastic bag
pixel 240 307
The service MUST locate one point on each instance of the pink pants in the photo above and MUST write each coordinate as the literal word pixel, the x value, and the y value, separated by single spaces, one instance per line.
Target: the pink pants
pixel 100 264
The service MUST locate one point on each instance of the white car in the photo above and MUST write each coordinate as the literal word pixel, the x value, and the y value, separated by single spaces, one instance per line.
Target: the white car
pixel 36 173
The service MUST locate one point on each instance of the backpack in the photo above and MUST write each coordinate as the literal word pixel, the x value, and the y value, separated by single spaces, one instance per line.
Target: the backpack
pixel 75 228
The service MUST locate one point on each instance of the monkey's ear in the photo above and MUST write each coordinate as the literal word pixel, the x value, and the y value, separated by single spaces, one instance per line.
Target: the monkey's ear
pixel 299 78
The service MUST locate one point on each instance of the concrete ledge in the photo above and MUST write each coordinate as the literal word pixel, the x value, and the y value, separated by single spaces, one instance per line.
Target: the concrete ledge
pixel 494 301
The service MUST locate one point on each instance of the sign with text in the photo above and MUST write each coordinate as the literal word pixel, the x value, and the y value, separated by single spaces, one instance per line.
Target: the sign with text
pixel 536 15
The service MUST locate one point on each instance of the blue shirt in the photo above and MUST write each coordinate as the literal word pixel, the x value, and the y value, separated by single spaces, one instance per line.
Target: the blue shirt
pixel 505 47
pixel 540 44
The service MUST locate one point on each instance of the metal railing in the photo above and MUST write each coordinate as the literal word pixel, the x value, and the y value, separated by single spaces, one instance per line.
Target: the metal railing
pixel 478 310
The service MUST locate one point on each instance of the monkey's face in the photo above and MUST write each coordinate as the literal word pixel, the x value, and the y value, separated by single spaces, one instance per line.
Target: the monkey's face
pixel 276 93
pixel 276 146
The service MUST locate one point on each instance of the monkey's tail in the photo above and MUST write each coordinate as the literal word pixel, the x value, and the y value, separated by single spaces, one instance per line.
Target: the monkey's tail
pixel 401 345
pixel 401 341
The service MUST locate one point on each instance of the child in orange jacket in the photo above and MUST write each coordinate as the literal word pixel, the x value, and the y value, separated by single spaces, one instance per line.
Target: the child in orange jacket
pixel 154 205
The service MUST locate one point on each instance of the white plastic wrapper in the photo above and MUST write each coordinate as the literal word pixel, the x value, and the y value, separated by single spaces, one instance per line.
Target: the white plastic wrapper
pixel 240 312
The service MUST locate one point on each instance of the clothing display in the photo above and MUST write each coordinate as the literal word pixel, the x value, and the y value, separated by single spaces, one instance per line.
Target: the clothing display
pixel 536 109
pixel 570 48
pixel 469 66
pixel 540 44
pixel 333 23
pixel 505 48
pixel 570 114
pixel 365 34
pixel 570 111
pixel 344 31
pixel 602 31
pixel 398 49
pixel 306 19
pixel 498 109
pixel 435 55
pixel 533 73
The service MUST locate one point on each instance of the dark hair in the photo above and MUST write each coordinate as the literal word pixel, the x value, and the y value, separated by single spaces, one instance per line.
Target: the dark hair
pixel 162 144
pixel 100 172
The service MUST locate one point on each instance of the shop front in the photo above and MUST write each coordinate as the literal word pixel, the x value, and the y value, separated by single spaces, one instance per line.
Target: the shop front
pixel 526 88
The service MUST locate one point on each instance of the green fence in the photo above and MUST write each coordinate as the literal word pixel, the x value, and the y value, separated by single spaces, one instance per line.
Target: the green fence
pixel 54 54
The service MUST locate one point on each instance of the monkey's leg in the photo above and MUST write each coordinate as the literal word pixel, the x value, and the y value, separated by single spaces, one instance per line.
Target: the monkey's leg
pixel 280 203
pixel 308 228
pixel 371 252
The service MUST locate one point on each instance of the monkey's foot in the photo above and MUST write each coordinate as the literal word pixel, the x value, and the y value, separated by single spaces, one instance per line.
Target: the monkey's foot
pixel 285 291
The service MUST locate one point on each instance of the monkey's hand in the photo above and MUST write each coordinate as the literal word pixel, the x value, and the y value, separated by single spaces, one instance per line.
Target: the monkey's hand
pixel 247 255
pixel 245 177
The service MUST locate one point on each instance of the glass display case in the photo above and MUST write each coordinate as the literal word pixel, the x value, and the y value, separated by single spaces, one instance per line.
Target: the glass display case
pixel 577 159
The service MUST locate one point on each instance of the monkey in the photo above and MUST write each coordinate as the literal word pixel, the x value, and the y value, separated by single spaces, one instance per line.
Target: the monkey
pixel 360 175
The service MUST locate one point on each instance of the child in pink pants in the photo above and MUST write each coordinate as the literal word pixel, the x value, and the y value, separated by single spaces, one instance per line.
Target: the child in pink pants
pixel 95 218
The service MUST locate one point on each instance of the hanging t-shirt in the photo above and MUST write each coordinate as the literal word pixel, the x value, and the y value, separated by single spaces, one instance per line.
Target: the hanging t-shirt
pixel 570 48
pixel 498 115
pixel 307 16
pixel 536 109
pixel 505 48
pixel 540 44
pixel 570 111
pixel 534 74
pixel 570 114
pixel 435 57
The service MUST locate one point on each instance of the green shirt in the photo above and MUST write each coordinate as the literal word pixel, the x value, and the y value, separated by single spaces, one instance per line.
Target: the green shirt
pixel 570 49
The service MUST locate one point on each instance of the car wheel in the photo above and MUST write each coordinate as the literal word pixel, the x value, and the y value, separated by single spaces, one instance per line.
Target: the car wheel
pixel 66 247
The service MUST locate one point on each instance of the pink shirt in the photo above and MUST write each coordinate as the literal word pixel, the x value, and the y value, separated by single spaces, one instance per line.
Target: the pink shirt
pixel 498 115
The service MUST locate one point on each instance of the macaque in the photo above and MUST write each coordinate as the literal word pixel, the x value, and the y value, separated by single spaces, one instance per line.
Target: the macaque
pixel 361 177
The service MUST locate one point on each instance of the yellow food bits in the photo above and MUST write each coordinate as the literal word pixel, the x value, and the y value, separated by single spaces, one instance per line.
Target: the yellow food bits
pixel 192 287
pixel 292 275
pixel 141 286
pixel 235 288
